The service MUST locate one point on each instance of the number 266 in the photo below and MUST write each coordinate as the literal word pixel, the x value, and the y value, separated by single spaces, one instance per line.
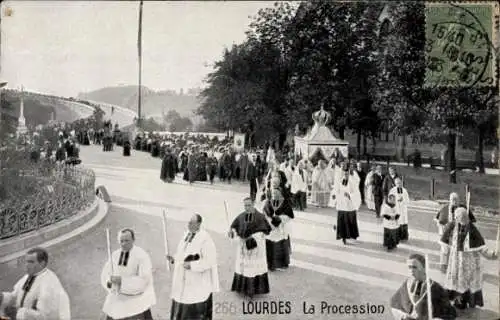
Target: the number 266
pixel 225 307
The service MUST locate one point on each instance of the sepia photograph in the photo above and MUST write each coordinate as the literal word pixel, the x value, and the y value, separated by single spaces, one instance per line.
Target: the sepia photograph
pixel 249 160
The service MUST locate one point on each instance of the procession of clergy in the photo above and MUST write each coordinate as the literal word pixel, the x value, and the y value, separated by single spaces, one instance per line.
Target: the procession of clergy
pixel 263 244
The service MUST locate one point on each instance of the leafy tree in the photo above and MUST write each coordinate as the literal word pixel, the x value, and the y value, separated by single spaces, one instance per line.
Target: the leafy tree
pixel 150 124
pixel 246 91
pixel 172 115
pixel 399 94
pixel 438 114
pixel 332 53
pixel 181 124
pixel 483 117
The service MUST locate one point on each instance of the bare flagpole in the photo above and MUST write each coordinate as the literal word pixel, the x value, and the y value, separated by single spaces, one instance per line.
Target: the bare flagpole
pixel 139 53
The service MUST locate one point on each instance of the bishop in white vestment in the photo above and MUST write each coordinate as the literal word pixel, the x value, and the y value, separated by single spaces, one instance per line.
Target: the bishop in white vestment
pixel 38 295
pixel 129 282
pixel 196 275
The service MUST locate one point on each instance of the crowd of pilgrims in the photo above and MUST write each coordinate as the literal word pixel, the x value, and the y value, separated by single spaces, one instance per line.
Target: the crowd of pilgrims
pixel 279 183
pixel 326 181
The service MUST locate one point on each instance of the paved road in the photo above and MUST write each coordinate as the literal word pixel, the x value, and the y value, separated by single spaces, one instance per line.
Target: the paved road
pixel 322 268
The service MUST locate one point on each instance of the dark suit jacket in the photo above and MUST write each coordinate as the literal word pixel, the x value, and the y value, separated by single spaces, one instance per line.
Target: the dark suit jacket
pixel 388 184
pixel 377 186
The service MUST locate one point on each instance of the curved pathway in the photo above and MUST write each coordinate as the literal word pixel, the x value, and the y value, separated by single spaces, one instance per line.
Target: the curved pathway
pixel 323 270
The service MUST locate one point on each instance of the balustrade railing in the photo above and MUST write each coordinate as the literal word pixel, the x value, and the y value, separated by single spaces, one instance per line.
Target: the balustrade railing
pixel 35 195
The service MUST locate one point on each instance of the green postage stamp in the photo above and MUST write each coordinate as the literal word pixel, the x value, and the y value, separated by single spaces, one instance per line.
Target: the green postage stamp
pixel 461 44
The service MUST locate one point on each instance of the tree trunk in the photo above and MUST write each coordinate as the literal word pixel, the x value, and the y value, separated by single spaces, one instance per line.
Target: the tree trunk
pixel 341 132
pixel 402 148
pixel 358 144
pixel 480 151
pixel 374 144
pixel 365 141
pixel 452 140
pixel 281 139
pixel 387 136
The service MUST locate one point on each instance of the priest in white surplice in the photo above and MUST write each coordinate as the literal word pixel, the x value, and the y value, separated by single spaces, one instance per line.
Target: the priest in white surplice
pixel 130 288
pixel 38 295
pixel 196 276
pixel 402 202
pixel 348 200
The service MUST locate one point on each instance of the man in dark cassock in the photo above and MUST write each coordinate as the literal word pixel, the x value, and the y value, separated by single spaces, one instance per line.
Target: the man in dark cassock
pixel 378 193
pixel 192 166
pixel 212 168
pixel 202 166
pixel 279 213
pixel 168 166
pixel 410 301
pixel 362 179
pixel 126 147
pixel 116 133
pixel 138 142
pixel 162 149
pixel 68 146
pixel 252 176
pixel 227 161
pixel 86 139
pixel 249 231
pixel 184 160
pixel 155 148
pixel 388 182
pixel 144 143
pixel 261 168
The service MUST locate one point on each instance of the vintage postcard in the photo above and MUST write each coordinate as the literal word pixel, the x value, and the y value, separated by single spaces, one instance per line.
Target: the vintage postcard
pixel 249 160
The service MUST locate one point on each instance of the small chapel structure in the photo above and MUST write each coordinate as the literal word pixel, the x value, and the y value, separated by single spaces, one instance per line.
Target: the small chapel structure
pixel 320 141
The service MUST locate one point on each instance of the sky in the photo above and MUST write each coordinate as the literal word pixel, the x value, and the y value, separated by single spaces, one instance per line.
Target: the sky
pixel 67 47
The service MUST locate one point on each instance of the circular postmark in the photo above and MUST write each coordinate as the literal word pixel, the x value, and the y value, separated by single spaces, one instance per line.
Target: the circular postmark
pixel 459 50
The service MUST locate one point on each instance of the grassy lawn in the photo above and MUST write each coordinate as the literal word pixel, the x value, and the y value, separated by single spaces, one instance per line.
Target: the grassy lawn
pixel 484 188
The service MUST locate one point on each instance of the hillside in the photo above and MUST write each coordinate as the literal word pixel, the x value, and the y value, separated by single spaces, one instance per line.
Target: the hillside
pixel 153 103
pixel 38 109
